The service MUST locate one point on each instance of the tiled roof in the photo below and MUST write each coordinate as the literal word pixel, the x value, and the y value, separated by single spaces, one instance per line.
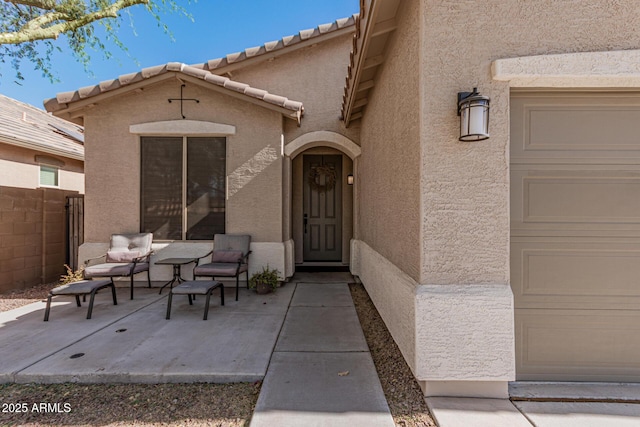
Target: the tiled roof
pixel 290 108
pixel 207 71
pixel 27 126
pixel 301 39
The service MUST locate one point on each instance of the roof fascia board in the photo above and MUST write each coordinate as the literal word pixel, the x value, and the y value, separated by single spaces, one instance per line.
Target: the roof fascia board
pixel 241 96
pixel 81 104
pixel 42 148
pixel 284 51
pixel 384 27
pixel 362 46
pixel 74 106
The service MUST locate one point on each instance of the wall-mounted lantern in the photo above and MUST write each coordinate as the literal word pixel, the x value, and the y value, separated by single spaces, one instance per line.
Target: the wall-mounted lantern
pixel 350 179
pixel 473 110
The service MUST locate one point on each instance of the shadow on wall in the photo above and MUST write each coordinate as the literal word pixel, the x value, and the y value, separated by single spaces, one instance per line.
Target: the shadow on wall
pixel 251 169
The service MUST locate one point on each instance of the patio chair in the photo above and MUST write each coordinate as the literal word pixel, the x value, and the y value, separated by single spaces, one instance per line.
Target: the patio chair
pixel 128 255
pixel 229 258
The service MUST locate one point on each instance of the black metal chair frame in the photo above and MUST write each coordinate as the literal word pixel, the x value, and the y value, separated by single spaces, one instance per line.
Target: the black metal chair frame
pixel 243 260
pixel 143 258
pixel 206 304
pixel 92 293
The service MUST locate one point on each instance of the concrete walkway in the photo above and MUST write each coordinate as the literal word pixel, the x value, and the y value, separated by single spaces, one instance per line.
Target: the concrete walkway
pixel 321 372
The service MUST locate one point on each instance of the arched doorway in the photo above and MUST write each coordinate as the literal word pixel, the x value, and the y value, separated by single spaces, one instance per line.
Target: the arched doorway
pixel 322 201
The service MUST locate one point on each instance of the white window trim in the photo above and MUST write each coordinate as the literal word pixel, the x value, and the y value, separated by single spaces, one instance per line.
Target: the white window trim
pixel 57 169
pixel 182 128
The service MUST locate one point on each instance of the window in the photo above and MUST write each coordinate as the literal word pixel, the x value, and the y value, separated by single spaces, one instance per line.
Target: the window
pixel 49 176
pixel 183 187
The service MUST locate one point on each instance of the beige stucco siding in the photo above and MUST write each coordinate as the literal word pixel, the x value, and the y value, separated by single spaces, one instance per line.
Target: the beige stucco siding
pixel 314 75
pixel 465 208
pixel 20 168
pixel 386 254
pixel 389 173
pixel 254 162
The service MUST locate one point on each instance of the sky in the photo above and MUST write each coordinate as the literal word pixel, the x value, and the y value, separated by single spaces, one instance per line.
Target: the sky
pixel 219 27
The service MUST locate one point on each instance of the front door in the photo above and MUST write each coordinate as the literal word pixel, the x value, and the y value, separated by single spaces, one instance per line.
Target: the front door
pixel 322 215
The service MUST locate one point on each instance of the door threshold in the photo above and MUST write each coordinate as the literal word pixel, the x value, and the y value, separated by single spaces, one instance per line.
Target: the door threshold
pixel 311 266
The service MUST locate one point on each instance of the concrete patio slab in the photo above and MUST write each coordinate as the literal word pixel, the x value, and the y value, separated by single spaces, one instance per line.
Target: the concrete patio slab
pixel 469 412
pixel 524 390
pixel 322 295
pixel 234 344
pixel 321 389
pixel 583 414
pixel 322 329
pixel 26 339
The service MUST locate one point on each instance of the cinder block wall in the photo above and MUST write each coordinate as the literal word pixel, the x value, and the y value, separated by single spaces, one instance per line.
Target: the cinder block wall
pixel 32 236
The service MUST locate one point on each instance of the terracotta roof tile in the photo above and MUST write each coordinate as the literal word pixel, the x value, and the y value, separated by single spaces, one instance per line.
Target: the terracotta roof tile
pixel 267 46
pixel 252 51
pixel 109 85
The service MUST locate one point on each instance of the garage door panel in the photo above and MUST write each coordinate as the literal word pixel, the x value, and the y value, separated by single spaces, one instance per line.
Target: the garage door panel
pixel 594 275
pixel 566 125
pixel 589 200
pixel 578 344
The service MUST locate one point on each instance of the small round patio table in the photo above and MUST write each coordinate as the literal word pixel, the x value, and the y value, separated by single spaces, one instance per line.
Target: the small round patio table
pixel 177 263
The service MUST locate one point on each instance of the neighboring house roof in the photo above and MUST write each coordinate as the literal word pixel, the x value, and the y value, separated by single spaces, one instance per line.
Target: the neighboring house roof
pixel 283 46
pixel 376 23
pixel 64 102
pixel 26 126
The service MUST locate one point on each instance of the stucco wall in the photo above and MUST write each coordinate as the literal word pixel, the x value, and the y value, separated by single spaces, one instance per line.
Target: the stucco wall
pixel 313 75
pixel 389 172
pixel 465 186
pixel 19 168
pixel 465 196
pixel 254 161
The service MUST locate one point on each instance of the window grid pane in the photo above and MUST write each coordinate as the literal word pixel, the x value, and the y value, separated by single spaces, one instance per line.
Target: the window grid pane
pixel 49 176
pixel 161 187
pixel 206 187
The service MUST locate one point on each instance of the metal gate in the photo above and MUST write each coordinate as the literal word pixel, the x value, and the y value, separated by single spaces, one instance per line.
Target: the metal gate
pixel 75 228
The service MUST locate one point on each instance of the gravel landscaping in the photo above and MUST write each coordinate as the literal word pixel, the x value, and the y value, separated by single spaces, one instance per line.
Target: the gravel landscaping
pixel 228 405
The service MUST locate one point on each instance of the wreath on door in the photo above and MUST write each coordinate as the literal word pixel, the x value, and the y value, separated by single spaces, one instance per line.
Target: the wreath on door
pixel 315 178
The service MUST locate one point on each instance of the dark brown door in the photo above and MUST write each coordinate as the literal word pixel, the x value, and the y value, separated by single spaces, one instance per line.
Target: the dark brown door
pixel 322 214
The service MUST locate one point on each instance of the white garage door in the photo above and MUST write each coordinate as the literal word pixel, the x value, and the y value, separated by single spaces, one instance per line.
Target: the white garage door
pixel 575 235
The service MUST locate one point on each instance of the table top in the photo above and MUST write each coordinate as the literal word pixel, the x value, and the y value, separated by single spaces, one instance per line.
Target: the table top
pixel 176 261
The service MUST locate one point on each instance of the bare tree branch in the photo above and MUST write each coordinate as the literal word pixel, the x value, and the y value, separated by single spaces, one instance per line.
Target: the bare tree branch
pixel 63 21
pixel 29 29
pixel 43 4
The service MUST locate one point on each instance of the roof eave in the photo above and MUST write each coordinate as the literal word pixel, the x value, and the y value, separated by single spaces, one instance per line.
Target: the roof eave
pixel 283 46
pixel 361 59
pixel 5 139
pixel 75 108
pixel 287 112
pixel 280 52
